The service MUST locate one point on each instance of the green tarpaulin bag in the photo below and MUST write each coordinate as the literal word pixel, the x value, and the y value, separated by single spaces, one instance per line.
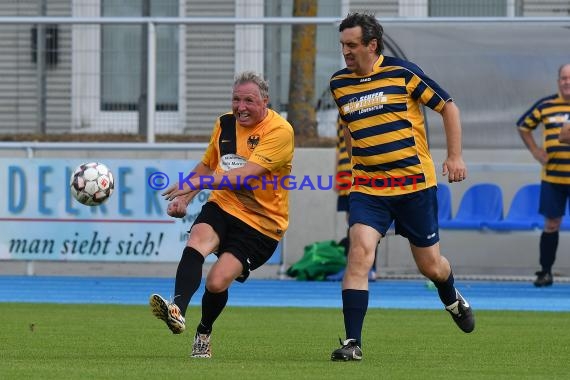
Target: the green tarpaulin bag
pixel 319 260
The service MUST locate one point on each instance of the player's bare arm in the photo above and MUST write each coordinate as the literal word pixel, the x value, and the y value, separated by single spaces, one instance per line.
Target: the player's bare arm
pixel 454 166
pixel 538 153
pixel 199 170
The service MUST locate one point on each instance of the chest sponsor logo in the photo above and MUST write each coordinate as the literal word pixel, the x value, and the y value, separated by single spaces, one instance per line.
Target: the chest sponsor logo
pixel 231 161
pixel 365 103
pixel 560 118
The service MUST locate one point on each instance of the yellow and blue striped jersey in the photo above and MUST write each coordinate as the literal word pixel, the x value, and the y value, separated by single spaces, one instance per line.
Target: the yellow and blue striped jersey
pixel 552 111
pixel 343 160
pixel 383 113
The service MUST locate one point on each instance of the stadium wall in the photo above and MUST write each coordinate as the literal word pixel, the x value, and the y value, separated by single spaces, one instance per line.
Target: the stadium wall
pixel 313 215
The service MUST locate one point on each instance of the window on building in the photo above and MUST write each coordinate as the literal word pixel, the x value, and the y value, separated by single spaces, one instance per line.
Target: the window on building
pixel 278 50
pixel 123 56
pixel 467 8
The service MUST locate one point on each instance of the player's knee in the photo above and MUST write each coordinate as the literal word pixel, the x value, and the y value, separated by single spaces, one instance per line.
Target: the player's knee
pixel 359 262
pixel 552 225
pixel 359 252
pixel 435 273
pixel 217 284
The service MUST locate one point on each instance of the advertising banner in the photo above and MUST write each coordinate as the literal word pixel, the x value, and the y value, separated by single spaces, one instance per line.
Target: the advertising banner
pixel 40 219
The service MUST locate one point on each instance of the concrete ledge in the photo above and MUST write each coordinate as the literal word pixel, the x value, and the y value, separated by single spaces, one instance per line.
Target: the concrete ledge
pixel 112 269
pixel 477 253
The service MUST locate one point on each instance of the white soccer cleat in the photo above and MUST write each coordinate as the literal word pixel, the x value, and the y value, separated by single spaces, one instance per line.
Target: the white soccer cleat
pixel 168 312
pixel 201 348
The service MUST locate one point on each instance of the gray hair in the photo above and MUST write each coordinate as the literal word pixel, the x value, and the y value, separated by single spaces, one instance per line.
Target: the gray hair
pixel 562 68
pixel 251 77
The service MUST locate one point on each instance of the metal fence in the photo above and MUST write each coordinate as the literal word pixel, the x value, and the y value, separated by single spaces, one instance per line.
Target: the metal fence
pixel 172 75
pixel 59 79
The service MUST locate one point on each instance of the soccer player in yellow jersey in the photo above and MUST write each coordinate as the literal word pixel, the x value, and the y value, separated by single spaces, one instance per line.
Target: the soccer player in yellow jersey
pixel 249 154
pixel 379 98
pixel 552 112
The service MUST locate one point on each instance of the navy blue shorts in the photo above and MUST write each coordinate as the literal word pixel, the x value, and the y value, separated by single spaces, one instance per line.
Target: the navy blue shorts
pixel 553 198
pixel 415 214
pixel 342 203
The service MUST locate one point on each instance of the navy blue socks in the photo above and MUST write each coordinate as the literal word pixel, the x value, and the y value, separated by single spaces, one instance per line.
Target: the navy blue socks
pixel 354 307
pixel 446 290
pixel 548 247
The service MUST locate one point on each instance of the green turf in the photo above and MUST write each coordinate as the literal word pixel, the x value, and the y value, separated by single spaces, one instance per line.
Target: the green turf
pixel 47 341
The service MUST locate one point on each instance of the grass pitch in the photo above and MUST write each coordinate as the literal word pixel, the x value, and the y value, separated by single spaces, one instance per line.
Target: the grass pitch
pixel 49 341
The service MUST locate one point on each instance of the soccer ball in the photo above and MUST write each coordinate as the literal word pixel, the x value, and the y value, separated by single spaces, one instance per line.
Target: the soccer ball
pixel 92 183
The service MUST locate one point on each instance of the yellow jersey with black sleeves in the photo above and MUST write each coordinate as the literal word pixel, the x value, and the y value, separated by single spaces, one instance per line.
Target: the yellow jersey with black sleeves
pixel 262 203
pixel 552 112
pixel 343 167
pixel 390 153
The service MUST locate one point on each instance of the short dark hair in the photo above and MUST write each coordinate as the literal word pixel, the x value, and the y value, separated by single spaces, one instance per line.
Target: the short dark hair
pixel 371 28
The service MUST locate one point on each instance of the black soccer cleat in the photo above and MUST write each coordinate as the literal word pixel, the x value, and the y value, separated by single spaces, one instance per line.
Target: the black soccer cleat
pixel 462 314
pixel 348 351
pixel 543 279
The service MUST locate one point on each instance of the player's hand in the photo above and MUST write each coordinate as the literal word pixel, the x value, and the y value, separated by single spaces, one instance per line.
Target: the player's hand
pixel 177 208
pixel 168 192
pixel 176 191
pixel 454 168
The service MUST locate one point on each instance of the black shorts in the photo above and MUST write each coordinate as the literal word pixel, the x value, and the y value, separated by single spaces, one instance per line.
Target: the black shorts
pixel 248 245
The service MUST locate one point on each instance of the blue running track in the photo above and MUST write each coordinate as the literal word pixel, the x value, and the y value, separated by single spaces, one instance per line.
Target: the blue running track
pixel 390 294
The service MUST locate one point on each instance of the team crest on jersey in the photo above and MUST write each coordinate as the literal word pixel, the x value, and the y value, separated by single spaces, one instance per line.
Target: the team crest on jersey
pixel 252 141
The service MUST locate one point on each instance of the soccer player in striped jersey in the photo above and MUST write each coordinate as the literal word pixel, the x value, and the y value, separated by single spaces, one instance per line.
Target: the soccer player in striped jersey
pixel 552 112
pixel 380 98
